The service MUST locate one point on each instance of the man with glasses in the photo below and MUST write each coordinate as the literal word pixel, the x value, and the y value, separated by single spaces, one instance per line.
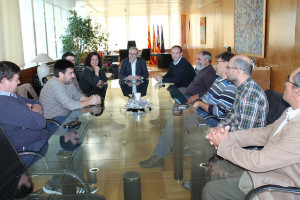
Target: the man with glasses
pixel 251 106
pixel 181 72
pixel 278 163
pixel 220 97
pixel 218 100
pixel 133 68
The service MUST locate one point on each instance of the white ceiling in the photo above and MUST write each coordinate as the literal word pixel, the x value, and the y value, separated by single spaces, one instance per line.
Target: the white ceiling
pixel 132 7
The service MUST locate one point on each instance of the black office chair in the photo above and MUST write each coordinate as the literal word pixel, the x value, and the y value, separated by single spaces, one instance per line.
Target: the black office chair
pixel 270 188
pixel 123 54
pixel 11 167
pixel 146 54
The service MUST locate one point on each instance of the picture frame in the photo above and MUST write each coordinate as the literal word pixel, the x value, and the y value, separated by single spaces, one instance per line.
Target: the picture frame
pixel 249 27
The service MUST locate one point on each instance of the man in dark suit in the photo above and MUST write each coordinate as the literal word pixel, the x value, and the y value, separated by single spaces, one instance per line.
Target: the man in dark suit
pixel 133 68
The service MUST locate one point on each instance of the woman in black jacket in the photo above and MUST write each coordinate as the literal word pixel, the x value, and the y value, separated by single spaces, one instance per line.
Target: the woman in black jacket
pixel 93 80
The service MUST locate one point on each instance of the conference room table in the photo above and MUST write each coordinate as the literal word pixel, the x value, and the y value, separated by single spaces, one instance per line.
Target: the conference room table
pixel 105 150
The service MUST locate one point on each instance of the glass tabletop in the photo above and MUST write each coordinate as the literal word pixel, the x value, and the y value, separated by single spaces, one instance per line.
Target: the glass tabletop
pixel 100 154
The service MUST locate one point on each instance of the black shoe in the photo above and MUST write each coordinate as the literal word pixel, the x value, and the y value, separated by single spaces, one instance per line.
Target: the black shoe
pixel 152 162
pixel 187 184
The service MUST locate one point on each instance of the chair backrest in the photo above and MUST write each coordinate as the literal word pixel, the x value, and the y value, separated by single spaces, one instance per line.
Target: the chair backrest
pixel 131 43
pixel 276 105
pixel 123 54
pixel 11 167
pixel 146 54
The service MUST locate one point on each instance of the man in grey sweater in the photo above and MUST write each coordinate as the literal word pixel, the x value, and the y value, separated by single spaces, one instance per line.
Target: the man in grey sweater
pixel 59 96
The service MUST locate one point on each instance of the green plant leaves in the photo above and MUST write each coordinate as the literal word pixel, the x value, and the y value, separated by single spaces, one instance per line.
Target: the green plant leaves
pixel 82 37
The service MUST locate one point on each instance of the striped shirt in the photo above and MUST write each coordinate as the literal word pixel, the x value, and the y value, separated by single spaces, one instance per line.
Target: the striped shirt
pixel 220 97
pixel 250 108
pixel 58 99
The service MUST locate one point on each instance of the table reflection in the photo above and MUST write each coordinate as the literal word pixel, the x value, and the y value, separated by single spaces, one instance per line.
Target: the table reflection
pixel 112 141
pixel 131 87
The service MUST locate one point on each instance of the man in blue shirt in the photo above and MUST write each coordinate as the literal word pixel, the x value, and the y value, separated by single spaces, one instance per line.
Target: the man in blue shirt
pixel 22 119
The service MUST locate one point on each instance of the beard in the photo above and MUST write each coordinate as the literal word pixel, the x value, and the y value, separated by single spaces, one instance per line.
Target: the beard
pixel 200 66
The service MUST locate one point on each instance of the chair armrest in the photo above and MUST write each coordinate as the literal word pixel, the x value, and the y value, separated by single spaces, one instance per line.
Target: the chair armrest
pixel 256 191
pixel 214 116
pixel 32 153
pixel 53 121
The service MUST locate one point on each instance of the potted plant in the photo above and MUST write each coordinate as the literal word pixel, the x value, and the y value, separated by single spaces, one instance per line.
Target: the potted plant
pixel 82 36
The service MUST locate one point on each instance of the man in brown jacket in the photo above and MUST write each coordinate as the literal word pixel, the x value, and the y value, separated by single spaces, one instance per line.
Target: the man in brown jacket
pixel 278 163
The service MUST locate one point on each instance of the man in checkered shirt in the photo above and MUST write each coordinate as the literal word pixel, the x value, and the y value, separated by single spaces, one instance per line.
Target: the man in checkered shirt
pixel 251 106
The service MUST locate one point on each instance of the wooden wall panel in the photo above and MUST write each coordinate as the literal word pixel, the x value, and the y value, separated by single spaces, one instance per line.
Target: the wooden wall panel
pixel 26 75
pixel 282 45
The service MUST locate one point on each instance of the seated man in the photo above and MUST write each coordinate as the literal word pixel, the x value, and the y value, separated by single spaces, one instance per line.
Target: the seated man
pixel 203 80
pixel 250 108
pixel 133 68
pixel 72 58
pixel 278 163
pixel 251 105
pixel 181 72
pixel 220 97
pixel 59 97
pixel 22 119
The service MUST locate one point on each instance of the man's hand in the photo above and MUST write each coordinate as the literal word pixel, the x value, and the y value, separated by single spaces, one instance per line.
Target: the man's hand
pixel 158 77
pixel 193 98
pixel 137 77
pixel 216 137
pixel 129 78
pixel 94 100
pixel 196 105
pixel 37 108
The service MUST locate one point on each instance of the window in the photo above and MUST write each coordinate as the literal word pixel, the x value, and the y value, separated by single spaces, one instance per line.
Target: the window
pixel 42 27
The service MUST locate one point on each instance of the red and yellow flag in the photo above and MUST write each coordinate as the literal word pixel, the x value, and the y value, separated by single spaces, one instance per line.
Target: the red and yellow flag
pixel 149 42
pixel 154 47
pixel 158 41
pixel 149 38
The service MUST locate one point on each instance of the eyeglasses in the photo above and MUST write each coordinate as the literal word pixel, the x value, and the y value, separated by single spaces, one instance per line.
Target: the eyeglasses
pixel 287 80
pixel 231 68
pixel 133 54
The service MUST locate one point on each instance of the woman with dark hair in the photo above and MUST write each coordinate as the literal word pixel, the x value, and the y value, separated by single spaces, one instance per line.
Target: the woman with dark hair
pixel 93 77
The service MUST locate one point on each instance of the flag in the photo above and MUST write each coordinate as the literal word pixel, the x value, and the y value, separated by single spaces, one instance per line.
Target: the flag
pixel 158 41
pixel 149 38
pixel 162 41
pixel 154 47
pixel 149 41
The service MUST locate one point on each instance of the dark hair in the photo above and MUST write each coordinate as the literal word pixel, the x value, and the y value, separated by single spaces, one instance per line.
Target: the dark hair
pixel 8 69
pixel 61 66
pixel 68 146
pixel 64 57
pixel 24 191
pixel 87 61
pixel 177 47
pixel 206 55
pixel 225 56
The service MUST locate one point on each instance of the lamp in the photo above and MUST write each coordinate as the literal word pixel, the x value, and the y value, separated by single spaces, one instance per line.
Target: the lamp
pixel 43 70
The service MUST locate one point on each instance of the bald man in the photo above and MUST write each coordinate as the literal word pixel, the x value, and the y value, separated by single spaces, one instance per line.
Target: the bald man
pixel 251 106
pixel 278 163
